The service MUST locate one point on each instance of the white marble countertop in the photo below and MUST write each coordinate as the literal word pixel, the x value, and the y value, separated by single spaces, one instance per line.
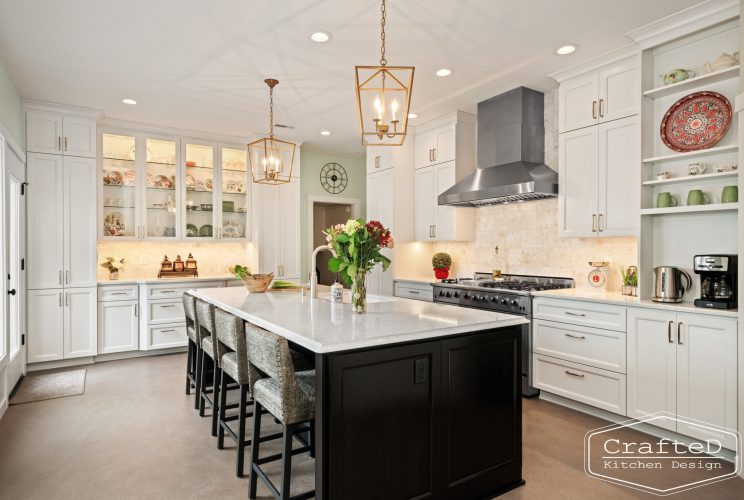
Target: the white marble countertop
pixel 618 298
pixel 145 280
pixel 323 327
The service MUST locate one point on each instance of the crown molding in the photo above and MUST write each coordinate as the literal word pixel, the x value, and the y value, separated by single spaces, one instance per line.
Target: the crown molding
pixel 593 64
pixel 684 22
pixel 82 112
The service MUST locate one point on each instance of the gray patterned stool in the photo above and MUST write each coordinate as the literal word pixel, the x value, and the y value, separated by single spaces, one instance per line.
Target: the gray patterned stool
pixel 194 346
pixel 290 398
pixel 208 390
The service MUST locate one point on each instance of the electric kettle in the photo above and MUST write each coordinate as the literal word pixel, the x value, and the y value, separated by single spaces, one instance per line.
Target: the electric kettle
pixel 669 284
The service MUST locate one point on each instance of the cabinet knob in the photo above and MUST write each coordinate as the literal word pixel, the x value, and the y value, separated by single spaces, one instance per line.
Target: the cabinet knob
pixel 12 292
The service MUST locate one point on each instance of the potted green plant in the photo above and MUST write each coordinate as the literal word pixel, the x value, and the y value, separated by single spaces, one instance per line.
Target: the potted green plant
pixel 441 262
pixel 630 280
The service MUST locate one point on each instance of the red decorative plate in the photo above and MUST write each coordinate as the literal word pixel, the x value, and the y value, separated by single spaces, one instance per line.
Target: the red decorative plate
pixel 697 121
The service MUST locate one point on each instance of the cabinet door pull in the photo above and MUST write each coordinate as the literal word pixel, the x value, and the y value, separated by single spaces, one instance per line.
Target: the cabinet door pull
pixel 164 306
pixel 136 312
pixel 581 315
pixel 60 299
pixel 67 276
pixel 594 109
pixel 679 333
pixel 413 292
pixel 168 330
pixel 435 230
pixel 119 293
pixel 377 162
pixel 594 223
pixel 601 113
pixel 167 291
pixel 59 143
pixel 669 332
pixel 59 277
pixel 65 143
pixel 580 375
pixel 434 154
pixel 67 300
pixel 580 337
pixel 599 223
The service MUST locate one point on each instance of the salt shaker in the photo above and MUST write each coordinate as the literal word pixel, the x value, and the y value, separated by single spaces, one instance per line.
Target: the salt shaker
pixel 337 292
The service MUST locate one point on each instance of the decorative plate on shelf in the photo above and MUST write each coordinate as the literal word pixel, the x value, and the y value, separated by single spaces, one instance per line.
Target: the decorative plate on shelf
pixel 205 230
pixel 190 181
pixel 697 121
pixel 113 224
pixel 191 230
pixel 129 177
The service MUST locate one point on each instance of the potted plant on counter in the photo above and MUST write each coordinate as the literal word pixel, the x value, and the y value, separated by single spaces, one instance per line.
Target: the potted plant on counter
pixel 630 280
pixel 114 265
pixel 441 262
pixel 358 247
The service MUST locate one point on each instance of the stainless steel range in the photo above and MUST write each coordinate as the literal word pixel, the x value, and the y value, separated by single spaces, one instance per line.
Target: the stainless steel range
pixel 511 294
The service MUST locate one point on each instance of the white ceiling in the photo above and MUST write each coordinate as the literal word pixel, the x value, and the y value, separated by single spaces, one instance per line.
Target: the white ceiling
pixel 200 65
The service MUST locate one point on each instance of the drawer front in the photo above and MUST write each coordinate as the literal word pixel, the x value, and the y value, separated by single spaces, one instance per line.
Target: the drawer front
pixel 162 337
pixel 117 292
pixel 593 314
pixel 600 388
pixel 589 346
pixel 414 292
pixel 165 312
pixel 165 291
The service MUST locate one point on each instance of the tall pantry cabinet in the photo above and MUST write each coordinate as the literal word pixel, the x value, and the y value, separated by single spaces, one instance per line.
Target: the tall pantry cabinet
pixel 62 290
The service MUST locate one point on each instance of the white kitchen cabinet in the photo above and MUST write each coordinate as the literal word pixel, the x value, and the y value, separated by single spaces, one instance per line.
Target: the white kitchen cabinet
pixel 425 213
pixel 436 145
pixel 118 319
pixel 599 174
pixel 61 221
pixel 601 96
pixel 278 209
pixel 379 158
pixel 45 325
pixel 80 320
pixel 684 364
pixel 380 189
pixel 57 133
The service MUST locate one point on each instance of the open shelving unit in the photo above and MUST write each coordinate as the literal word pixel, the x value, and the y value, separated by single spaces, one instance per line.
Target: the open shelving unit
pixel 673 235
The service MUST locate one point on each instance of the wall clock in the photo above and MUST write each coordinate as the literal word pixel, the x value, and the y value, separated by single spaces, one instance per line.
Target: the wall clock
pixel 333 178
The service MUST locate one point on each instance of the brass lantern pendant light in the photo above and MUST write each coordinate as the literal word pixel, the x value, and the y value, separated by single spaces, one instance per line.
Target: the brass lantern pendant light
pixel 271 158
pixel 383 98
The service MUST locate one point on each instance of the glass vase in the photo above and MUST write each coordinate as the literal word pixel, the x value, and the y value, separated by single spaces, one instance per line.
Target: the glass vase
pixel 359 294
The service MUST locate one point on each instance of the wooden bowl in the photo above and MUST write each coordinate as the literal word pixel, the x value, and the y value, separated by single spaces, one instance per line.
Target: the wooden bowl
pixel 257 283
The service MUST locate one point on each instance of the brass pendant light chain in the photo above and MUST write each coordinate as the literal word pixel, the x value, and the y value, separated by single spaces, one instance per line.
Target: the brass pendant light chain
pixel 383 61
pixel 271 112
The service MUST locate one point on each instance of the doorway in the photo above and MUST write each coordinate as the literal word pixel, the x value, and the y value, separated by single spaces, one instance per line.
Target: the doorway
pixel 324 212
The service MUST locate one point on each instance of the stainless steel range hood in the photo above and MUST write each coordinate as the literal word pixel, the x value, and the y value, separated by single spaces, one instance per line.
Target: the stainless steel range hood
pixel 511 154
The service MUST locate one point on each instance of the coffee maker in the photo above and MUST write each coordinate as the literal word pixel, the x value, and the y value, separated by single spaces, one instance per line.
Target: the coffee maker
pixel 717 280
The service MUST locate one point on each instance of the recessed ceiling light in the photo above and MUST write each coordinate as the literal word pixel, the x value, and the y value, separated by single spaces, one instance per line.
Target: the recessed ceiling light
pixel 320 37
pixel 444 72
pixel 412 115
pixel 325 132
pixel 565 50
pixel 131 102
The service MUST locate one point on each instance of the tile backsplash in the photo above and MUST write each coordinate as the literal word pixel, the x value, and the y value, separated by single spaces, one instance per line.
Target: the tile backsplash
pixel 142 259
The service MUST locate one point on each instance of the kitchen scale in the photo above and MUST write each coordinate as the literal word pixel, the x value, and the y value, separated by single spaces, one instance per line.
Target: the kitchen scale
pixel 597 277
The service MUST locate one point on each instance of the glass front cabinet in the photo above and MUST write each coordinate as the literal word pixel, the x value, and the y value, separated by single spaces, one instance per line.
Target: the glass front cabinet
pixel 160 188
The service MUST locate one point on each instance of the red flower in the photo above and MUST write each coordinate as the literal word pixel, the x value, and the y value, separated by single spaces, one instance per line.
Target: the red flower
pixel 379 233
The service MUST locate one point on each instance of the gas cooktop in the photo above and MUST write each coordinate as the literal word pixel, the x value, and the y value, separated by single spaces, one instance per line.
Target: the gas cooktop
pixel 519 284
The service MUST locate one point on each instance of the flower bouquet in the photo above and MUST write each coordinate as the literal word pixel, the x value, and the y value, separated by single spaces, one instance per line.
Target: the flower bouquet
pixel 114 265
pixel 358 248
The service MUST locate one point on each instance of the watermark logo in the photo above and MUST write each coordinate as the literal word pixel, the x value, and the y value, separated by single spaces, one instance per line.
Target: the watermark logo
pixel 624 454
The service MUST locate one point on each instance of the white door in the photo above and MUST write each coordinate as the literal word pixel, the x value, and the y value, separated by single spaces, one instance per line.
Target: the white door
pixel 652 364
pixel 423 149
pixel 425 216
pixel 619 92
pixel 289 229
pixel 578 103
pixel 43 132
pixel 266 209
pixel 15 235
pixel 79 222
pixel 45 221
pixel 706 376
pixel 619 177
pixel 577 183
pixel 118 329
pixel 444 224
pixel 45 325
pixel 80 310
pixel 79 137
pixel 445 142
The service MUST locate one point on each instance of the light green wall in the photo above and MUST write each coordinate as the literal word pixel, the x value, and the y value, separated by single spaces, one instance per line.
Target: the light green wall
pixel 310 164
pixel 11 113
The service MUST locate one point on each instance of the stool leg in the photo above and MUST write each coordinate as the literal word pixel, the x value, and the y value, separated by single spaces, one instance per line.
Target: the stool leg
pixel 199 371
pixel 203 385
pixel 241 430
pixel 189 356
pixel 286 461
pixel 223 403
pixel 215 397
pixel 312 438
pixel 255 441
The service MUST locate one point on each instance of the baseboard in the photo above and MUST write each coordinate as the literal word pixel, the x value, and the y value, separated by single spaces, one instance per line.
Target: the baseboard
pixel 658 432
pixel 66 363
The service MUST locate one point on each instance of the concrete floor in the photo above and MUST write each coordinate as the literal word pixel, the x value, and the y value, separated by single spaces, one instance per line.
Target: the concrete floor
pixel 134 434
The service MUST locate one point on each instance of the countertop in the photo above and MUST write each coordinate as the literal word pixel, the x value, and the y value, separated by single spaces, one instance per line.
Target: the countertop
pixel 142 281
pixel 618 298
pixel 323 327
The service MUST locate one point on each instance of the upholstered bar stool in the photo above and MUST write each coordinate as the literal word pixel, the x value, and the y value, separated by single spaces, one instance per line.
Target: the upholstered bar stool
pixel 208 390
pixel 234 367
pixel 289 397
pixel 189 308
